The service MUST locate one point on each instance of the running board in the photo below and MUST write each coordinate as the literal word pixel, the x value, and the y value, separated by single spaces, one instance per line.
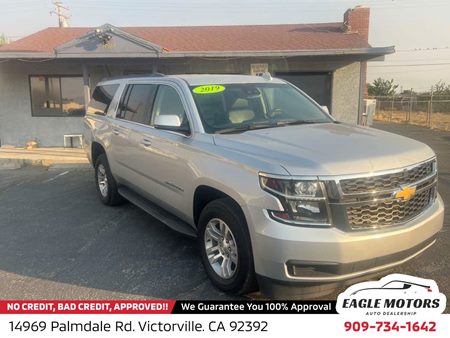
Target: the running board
pixel 157 212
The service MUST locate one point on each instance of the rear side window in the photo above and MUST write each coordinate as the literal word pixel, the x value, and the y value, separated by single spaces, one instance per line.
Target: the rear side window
pixel 101 99
pixel 136 103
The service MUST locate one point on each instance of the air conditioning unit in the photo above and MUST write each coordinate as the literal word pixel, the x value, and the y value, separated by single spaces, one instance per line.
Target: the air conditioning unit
pixel 369 111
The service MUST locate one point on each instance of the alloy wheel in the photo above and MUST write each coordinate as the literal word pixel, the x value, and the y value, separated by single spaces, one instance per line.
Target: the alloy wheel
pixel 102 180
pixel 221 248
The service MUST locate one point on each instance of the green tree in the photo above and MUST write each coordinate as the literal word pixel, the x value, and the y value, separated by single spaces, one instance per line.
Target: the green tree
pixel 440 88
pixel 381 87
pixel 3 39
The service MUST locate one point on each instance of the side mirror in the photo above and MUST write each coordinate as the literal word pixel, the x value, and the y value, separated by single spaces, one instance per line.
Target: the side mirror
pixel 172 121
pixel 325 109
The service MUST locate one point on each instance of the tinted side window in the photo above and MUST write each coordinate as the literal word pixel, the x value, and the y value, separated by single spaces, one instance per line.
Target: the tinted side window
pixel 101 99
pixel 168 102
pixel 137 103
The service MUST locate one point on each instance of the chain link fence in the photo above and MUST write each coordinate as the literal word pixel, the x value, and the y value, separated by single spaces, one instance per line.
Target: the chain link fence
pixel 430 111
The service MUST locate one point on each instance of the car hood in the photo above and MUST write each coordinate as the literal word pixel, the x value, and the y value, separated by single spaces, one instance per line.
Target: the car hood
pixel 327 148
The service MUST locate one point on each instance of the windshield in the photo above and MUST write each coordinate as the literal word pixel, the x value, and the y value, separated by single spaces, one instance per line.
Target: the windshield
pixel 244 106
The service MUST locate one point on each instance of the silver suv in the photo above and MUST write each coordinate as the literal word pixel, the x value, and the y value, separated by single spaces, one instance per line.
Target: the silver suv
pixel 276 191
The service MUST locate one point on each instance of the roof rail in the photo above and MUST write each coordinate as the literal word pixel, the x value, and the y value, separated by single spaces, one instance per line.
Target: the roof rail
pixel 128 76
pixel 265 75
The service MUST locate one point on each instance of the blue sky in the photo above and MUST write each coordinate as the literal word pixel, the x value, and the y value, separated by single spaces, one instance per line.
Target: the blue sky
pixel 407 24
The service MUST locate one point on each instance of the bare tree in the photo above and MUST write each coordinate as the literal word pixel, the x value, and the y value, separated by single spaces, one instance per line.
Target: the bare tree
pixel 440 88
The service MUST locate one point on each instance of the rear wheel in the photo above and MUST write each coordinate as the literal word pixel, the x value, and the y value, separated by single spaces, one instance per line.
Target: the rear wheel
pixel 105 182
pixel 225 247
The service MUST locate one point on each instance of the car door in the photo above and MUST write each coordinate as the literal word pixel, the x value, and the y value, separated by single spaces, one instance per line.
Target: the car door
pixel 129 135
pixel 166 157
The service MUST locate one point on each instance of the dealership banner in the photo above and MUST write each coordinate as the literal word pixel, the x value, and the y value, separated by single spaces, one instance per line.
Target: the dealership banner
pixel 394 306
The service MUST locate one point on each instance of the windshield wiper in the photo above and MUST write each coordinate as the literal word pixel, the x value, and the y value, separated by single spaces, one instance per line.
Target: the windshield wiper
pixel 296 122
pixel 245 127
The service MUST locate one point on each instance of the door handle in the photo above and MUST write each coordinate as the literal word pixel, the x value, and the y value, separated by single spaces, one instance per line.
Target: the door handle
pixel 146 142
pixel 116 132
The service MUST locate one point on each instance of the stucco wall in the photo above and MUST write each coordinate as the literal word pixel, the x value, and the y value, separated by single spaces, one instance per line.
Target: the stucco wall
pixel 17 126
pixel 345 93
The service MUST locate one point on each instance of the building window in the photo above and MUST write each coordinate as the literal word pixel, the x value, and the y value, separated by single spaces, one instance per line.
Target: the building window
pixel 57 95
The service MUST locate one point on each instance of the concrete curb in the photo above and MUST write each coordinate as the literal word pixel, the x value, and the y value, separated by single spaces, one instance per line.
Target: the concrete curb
pixel 10 163
pixel 17 163
pixel 73 166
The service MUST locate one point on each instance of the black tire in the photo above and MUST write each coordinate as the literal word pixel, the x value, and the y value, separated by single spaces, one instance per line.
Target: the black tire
pixel 111 196
pixel 243 278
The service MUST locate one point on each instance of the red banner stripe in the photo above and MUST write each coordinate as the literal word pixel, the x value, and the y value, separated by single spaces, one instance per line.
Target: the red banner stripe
pixel 86 306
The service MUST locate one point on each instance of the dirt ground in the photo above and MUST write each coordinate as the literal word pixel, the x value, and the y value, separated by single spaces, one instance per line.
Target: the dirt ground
pixel 440 121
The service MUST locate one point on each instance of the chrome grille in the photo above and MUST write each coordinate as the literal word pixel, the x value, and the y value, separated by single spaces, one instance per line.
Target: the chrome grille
pixel 369 201
pixel 388 212
pixel 387 181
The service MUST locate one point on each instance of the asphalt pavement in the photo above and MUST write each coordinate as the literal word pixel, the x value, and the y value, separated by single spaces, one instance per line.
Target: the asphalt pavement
pixel 57 241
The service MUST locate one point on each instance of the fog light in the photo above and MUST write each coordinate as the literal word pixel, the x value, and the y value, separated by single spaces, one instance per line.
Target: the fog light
pixel 308 207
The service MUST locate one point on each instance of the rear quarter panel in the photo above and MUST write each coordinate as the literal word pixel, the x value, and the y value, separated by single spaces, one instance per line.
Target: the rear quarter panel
pixel 97 128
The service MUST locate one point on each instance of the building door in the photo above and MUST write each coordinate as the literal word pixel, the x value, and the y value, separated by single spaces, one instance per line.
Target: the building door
pixel 316 85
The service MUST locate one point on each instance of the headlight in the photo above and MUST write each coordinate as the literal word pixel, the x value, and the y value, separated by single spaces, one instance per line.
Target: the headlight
pixel 306 188
pixel 304 201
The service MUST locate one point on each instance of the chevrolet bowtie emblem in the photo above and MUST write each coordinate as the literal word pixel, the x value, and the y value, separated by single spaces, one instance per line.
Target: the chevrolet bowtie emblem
pixel 406 193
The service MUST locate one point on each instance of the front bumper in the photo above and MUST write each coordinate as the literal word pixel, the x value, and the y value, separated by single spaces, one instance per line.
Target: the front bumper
pixel 299 255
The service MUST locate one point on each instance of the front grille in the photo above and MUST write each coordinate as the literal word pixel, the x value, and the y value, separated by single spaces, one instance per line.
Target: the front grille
pixel 388 212
pixel 387 181
pixel 360 203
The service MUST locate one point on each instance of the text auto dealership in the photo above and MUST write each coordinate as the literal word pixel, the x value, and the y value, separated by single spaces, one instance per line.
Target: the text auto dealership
pixel 46 78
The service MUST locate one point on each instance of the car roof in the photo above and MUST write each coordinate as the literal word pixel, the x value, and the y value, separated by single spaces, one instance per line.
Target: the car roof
pixel 198 79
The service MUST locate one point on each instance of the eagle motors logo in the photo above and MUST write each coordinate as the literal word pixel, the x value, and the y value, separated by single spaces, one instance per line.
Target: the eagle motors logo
pixel 393 295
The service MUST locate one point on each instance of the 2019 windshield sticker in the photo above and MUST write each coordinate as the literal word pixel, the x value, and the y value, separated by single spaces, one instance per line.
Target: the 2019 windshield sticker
pixel 209 89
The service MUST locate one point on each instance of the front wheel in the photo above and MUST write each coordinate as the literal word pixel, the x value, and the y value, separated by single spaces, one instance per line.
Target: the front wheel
pixel 225 247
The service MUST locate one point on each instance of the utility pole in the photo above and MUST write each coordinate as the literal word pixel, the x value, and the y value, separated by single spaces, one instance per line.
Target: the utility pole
pixel 59 11
pixel 431 107
pixel 408 119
